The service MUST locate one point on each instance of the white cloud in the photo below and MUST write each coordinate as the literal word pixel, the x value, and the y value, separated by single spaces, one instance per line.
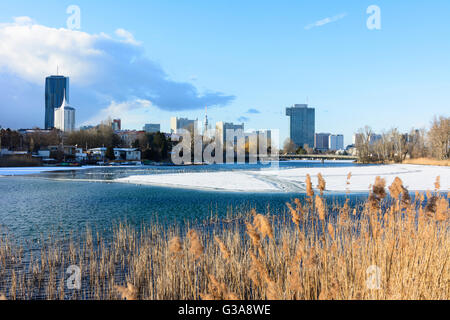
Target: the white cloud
pixel 326 21
pixel 127 36
pixel 33 51
pixel 102 69
pixel 130 111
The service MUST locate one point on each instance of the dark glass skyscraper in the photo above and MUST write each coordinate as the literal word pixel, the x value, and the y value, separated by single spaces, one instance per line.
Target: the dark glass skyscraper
pixel 55 86
pixel 303 124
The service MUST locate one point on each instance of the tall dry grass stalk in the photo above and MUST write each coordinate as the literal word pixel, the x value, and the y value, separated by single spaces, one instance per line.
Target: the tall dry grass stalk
pixel 317 251
pixel 309 187
pixel 321 184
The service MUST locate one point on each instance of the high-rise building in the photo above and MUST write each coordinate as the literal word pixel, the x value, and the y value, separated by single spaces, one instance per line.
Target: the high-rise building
pixel 321 141
pixel 116 124
pixel 152 128
pixel 302 126
pixel 56 90
pixel 178 124
pixel 221 131
pixel 336 142
pixel 65 117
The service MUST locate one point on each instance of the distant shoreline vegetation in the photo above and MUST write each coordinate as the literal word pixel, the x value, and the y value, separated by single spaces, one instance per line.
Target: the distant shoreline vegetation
pixel 28 147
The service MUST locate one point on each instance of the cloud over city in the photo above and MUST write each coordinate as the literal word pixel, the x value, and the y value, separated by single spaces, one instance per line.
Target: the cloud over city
pixel 105 72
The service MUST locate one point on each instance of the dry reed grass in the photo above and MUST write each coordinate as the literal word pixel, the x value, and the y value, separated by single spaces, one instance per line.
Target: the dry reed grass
pixel 320 254
pixel 427 161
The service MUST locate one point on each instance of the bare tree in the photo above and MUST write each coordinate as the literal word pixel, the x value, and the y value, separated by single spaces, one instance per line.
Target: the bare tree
pixel 289 146
pixel 363 144
pixel 439 137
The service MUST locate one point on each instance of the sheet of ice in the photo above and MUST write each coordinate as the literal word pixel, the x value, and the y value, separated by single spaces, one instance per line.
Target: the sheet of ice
pixel 414 178
pixel 34 170
pixel 222 180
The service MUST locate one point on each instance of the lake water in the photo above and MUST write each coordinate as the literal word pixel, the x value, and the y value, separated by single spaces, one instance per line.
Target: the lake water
pixel 46 203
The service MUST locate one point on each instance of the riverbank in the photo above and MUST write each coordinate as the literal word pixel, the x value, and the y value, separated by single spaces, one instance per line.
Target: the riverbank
pixel 428 162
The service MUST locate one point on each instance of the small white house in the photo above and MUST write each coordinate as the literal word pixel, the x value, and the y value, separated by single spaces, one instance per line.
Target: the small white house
pixel 129 154
pixel 80 155
pixel 99 152
pixel 44 153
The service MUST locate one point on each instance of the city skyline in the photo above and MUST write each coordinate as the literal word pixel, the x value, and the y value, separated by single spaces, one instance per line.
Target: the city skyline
pixel 323 55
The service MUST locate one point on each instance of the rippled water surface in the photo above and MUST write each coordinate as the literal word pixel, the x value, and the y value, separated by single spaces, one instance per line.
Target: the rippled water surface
pixel 71 200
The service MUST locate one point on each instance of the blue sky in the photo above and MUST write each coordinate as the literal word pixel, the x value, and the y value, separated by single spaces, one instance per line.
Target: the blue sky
pixel 249 55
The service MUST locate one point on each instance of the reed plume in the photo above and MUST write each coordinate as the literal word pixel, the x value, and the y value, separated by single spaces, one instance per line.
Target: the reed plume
pixel 254 236
pixel 175 246
pixel 128 293
pixel 320 208
pixel 309 187
pixel 223 249
pixel 196 248
pixel 437 184
pixel 442 209
pixel 295 216
pixel 321 184
pixel 378 193
pixel 263 225
pixel 217 291
pixel 431 207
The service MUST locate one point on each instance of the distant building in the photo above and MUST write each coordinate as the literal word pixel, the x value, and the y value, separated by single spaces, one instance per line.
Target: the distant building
pixel 116 124
pixel 152 128
pixel 80 155
pixel 336 142
pixel 65 117
pixel 66 150
pixel 221 130
pixel 302 124
pixel 86 128
pixel 178 124
pixel 56 90
pixel 373 138
pixel 128 154
pixel 321 141
pixel 130 136
pixel 97 153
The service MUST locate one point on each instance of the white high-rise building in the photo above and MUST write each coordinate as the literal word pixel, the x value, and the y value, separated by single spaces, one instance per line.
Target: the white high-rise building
pixel 221 130
pixel 336 142
pixel 177 124
pixel 65 117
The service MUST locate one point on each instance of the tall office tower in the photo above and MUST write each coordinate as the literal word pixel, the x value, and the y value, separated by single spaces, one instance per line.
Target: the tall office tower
pixel 336 142
pixel 152 128
pixel 302 124
pixel 56 90
pixel 321 141
pixel 65 117
pixel 116 124
pixel 177 124
pixel 221 131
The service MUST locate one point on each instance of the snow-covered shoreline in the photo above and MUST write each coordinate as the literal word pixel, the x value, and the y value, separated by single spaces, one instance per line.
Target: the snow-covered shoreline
pixel 414 177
